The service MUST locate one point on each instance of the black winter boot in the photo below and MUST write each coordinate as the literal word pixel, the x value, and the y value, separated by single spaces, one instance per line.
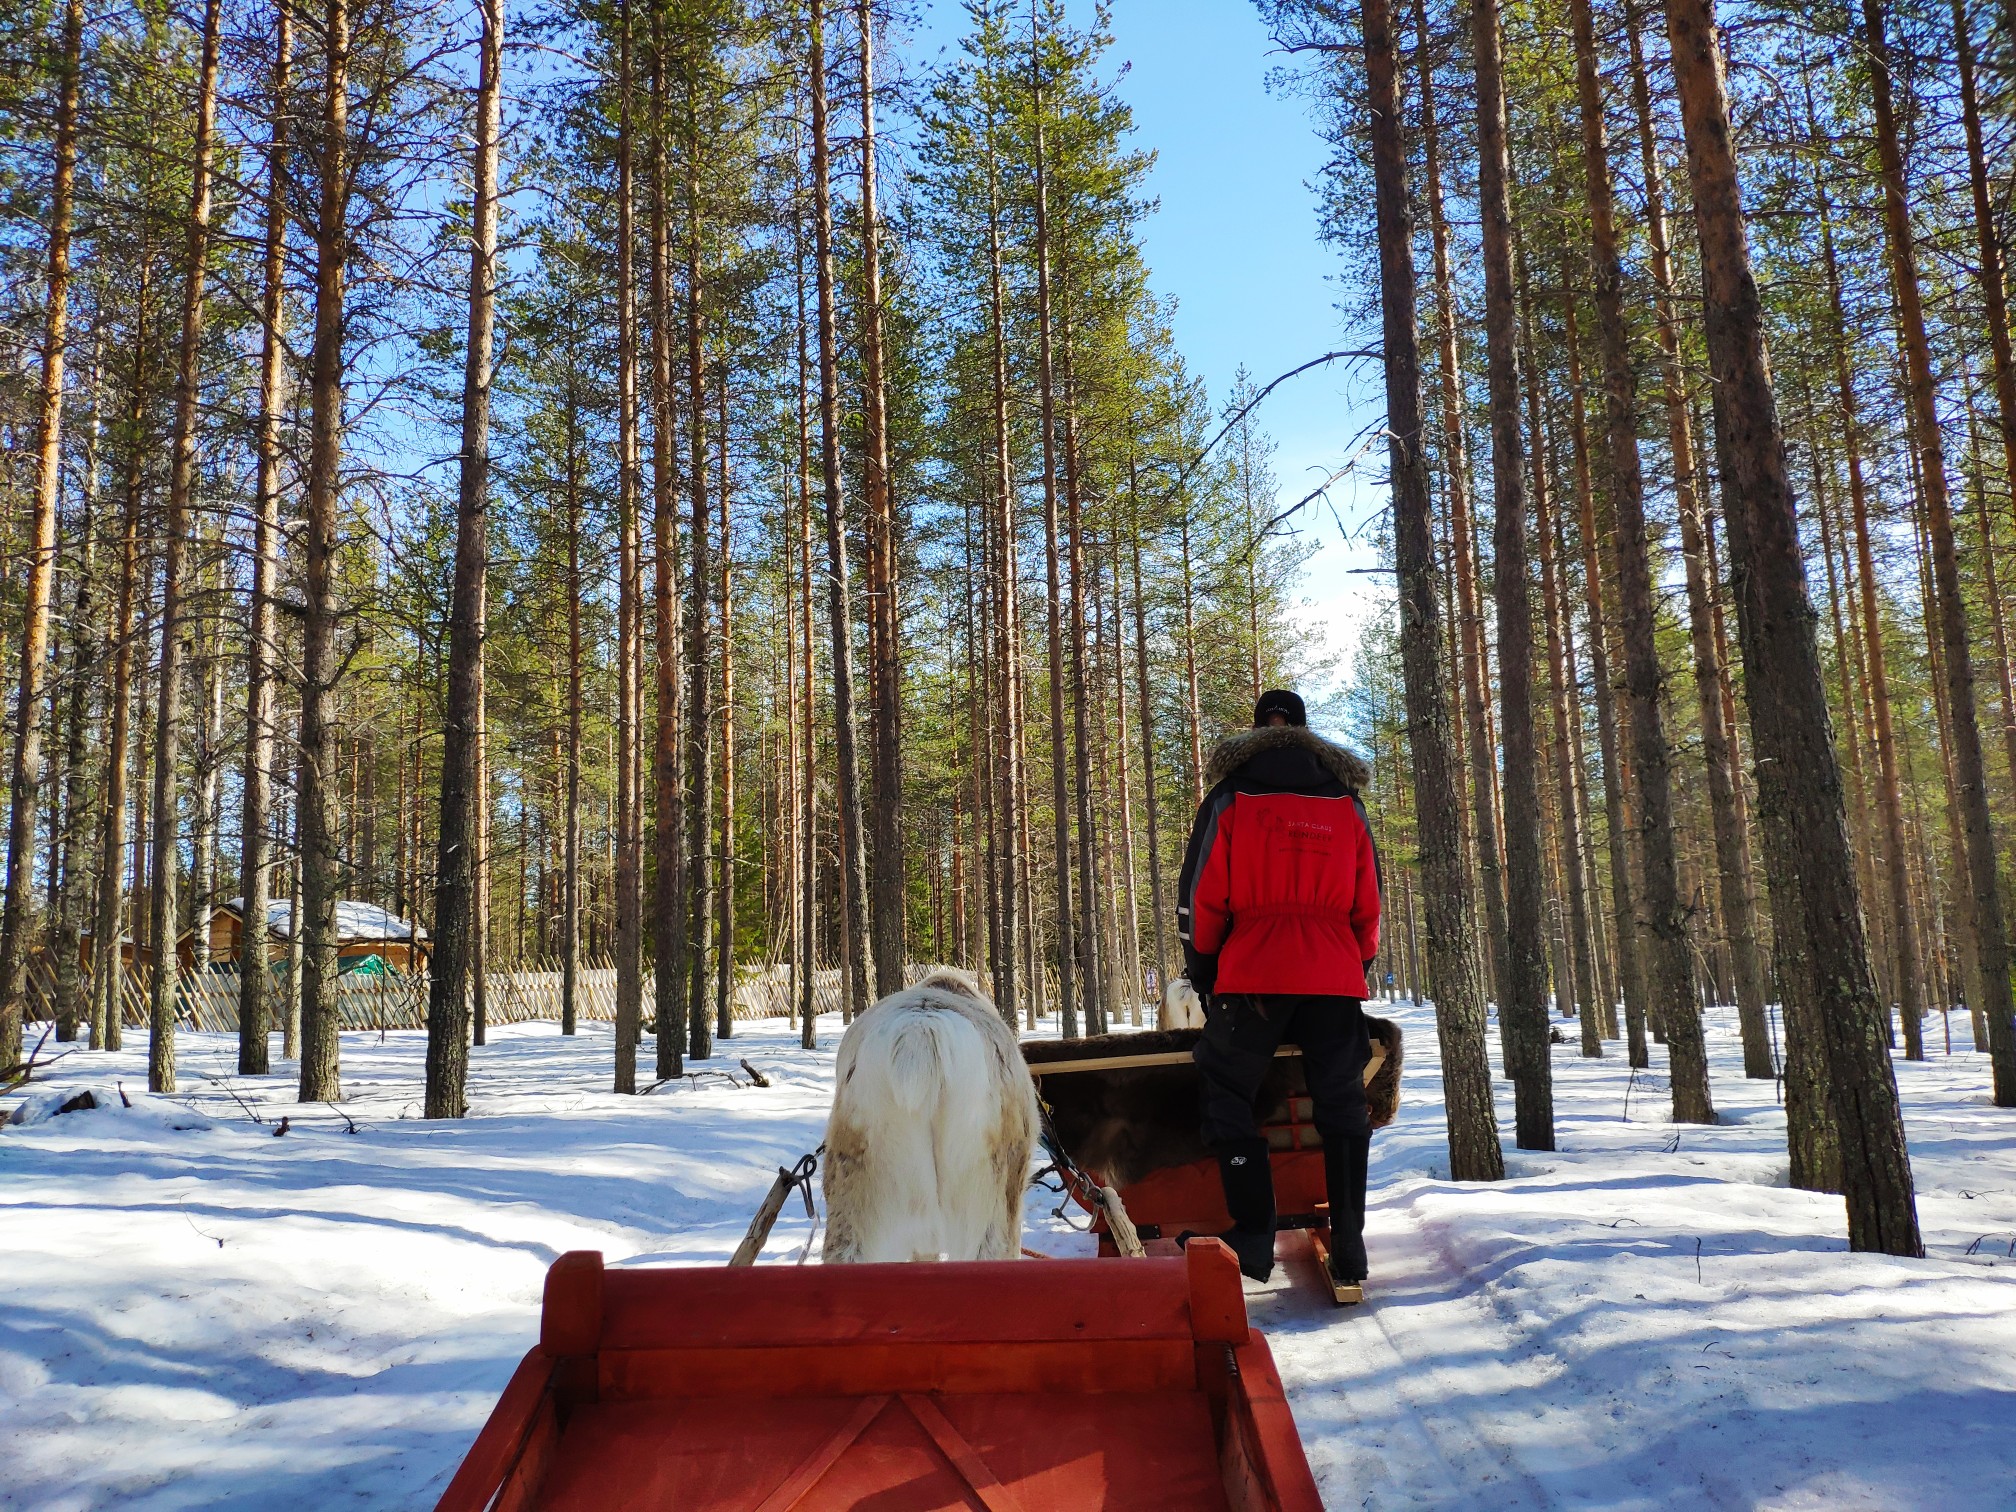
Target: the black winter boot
pixel 1245 1168
pixel 1344 1161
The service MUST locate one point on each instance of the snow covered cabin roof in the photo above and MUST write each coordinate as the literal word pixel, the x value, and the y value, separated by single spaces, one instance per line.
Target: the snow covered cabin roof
pixel 355 920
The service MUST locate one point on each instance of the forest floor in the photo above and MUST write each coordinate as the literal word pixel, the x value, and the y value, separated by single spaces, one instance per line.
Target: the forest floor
pixel 198 1314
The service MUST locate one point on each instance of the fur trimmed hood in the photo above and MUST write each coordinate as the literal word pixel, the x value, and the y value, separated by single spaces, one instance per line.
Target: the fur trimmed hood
pixel 1235 752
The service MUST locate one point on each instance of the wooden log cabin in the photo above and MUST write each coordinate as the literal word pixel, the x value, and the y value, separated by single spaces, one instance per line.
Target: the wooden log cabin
pixel 363 930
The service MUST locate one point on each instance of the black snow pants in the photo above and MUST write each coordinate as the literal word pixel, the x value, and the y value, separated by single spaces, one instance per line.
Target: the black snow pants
pixel 1241 1034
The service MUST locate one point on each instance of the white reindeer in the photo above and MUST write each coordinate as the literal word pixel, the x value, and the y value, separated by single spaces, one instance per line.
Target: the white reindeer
pixel 934 1119
pixel 1182 1008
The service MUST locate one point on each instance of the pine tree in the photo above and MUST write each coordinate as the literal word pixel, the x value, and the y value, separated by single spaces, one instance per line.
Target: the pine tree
pixel 25 776
pixel 1822 957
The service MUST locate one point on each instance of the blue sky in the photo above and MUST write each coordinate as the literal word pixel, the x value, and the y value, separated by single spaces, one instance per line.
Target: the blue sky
pixel 1234 244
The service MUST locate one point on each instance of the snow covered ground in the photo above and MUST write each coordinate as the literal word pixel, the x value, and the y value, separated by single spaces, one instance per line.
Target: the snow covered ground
pixel 199 1314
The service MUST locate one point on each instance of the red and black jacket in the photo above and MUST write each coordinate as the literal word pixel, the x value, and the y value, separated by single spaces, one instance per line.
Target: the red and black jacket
pixel 1280 884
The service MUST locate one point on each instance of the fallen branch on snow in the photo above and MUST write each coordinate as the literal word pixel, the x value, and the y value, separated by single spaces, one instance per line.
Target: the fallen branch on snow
pixel 218 1081
pixel 23 1072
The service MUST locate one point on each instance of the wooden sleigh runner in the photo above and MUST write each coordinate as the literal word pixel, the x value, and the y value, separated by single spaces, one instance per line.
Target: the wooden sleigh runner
pixel 980 1385
pixel 1124 1109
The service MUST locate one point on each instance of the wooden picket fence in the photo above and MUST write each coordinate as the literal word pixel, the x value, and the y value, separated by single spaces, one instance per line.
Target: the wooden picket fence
pixel 527 992
pixel 521 993
pixel 208 999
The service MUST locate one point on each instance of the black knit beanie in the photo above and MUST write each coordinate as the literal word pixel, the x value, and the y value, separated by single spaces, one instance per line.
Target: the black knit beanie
pixel 1282 702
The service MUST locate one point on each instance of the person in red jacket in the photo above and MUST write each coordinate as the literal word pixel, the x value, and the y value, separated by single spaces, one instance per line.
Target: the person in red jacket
pixel 1278 911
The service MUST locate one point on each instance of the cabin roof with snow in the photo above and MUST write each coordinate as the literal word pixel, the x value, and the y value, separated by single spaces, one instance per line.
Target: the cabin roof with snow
pixel 356 921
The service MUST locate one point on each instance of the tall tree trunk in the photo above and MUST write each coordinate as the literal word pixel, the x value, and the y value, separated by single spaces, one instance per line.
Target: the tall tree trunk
pixel 669 914
pixel 367 807
pixel 724 893
pixel 290 1034
pixel 1124 785
pixel 1669 968
pixel 1144 700
pixel 1038 1000
pixel 1624 888
pixel 983 683
pixel 839 612
pixel 886 874
pixel 1606 968
pixel 1992 939
pixel 1060 796
pixel 1559 674
pixel 1960 904
pixel 1474 1153
pixel 25 777
pixel 1099 801
pixel 314 920
pixel 1194 716
pixel 175 562
pixel 1086 932
pixel 1523 1011
pixel 72 899
pixel 461 789
pixel 479 930
pixel 1991 583
pixel 209 730
pixel 808 904
pixel 1822 956
pixel 1735 889
pixel 1015 903
pixel 570 879
pixel 143 720
pixel 255 879
pixel 983 691
pixel 700 859
pixel 629 596
pixel 402 902
pixel 1853 673
pixel 1907 977
pixel 784 709
pixel 1990 274
pixel 108 926
pixel 1469 650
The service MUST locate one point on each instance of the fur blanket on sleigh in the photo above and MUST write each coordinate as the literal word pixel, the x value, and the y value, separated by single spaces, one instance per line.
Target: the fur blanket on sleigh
pixel 1131 1120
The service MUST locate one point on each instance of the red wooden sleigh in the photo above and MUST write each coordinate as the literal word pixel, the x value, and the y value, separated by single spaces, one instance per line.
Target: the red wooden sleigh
pixel 1124 1108
pixel 991 1385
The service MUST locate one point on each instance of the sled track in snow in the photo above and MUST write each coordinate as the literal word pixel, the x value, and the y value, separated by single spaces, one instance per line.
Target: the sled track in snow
pixel 1405 1405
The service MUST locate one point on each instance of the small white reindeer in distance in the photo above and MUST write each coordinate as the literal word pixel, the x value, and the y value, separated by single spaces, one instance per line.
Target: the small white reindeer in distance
pixel 1182 1008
